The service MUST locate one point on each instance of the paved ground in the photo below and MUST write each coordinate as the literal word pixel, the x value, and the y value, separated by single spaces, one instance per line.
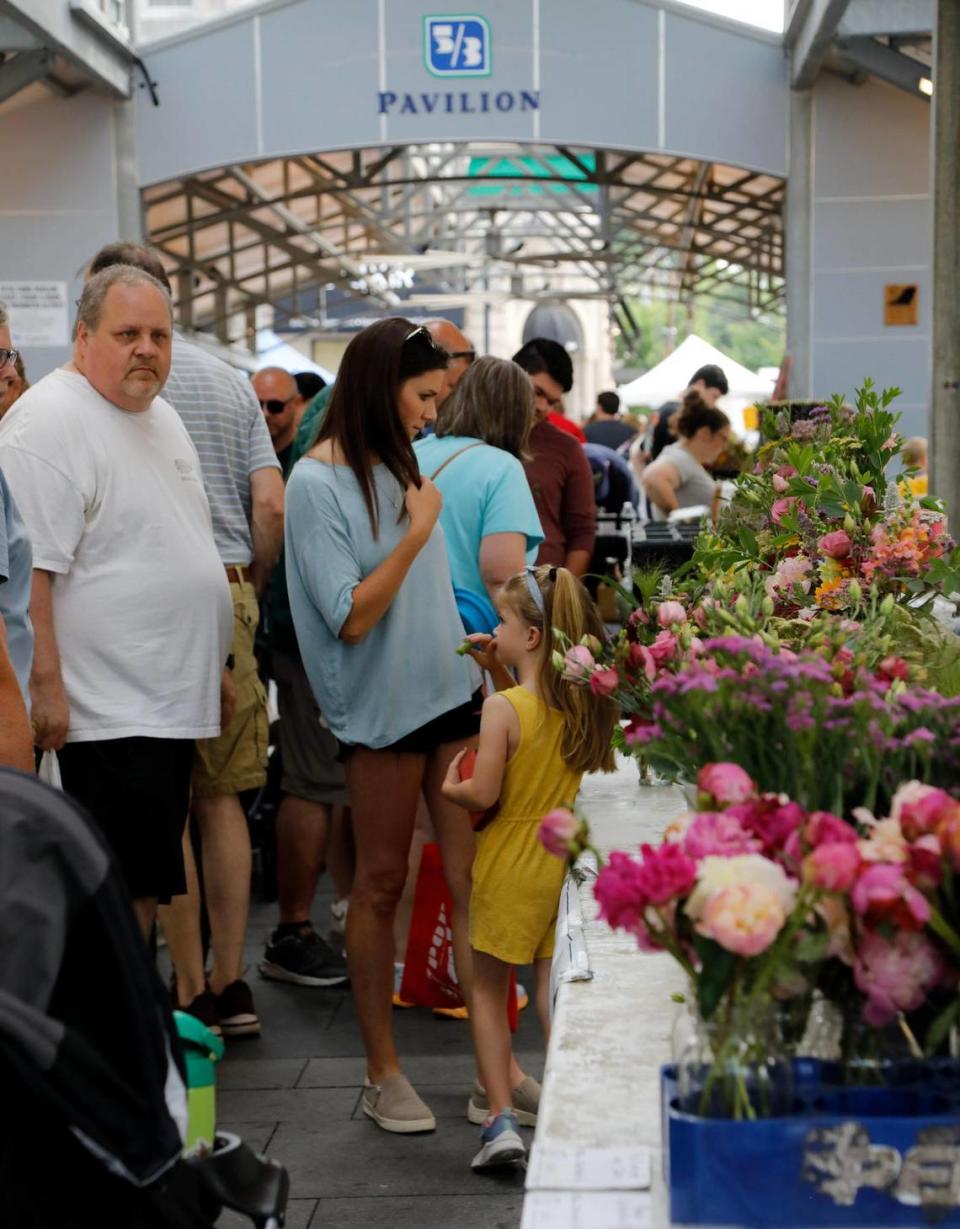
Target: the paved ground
pixel 294 1092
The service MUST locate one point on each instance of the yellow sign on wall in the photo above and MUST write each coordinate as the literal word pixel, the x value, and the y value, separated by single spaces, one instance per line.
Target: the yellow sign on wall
pixel 901 305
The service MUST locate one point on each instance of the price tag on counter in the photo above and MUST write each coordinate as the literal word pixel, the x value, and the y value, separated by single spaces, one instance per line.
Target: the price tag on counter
pixel 587 1210
pixel 555 1167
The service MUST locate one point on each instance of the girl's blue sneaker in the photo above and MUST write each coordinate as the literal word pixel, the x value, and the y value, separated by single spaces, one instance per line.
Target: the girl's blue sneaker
pixel 500 1142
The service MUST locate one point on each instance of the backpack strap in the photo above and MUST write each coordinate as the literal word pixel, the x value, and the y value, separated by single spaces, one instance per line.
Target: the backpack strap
pixel 453 457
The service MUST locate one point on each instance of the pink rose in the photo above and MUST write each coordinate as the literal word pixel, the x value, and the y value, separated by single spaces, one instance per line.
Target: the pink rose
pixel 832 867
pixel 559 832
pixel 719 833
pixel 883 893
pixel 780 484
pixel 744 919
pixel 921 808
pixel 725 783
pixel 664 648
pixel 641 658
pixel 896 974
pixel 667 872
pixel 670 613
pixel 604 682
pixel 782 508
pixel 578 664
pixel 837 544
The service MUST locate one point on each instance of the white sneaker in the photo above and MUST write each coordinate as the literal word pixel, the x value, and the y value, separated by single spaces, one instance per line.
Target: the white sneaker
pixel 500 1143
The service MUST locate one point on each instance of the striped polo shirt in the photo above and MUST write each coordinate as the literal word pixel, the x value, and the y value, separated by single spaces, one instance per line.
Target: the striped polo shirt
pixel 226 424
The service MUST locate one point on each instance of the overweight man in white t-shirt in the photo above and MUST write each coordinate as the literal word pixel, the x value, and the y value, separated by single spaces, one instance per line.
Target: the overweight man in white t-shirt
pixel 131 607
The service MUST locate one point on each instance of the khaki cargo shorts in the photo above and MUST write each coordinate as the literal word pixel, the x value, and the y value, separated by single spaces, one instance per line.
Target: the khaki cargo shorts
pixel 237 759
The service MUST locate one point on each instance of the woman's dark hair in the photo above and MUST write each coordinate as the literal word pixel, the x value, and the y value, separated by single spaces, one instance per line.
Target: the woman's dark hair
pixel 694 413
pixel 362 417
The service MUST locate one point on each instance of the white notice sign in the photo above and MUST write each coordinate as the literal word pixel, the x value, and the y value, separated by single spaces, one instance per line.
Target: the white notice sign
pixel 558 1167
pixel 38 313
pixel 587 1210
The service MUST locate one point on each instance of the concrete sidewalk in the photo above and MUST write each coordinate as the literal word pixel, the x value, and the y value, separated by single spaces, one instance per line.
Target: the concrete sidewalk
pixel 295 1092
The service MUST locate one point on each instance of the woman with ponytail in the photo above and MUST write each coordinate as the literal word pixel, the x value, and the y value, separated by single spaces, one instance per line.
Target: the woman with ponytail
pixel 537 738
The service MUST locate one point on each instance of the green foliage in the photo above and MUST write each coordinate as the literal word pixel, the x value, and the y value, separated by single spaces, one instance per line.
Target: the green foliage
pixel 718 968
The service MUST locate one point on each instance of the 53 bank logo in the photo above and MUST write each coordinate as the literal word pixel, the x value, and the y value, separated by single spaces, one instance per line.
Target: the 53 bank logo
pixel 457 45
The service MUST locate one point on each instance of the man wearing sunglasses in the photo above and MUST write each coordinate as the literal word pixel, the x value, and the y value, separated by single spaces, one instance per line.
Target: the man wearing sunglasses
pixel 459 350
pixel 282 407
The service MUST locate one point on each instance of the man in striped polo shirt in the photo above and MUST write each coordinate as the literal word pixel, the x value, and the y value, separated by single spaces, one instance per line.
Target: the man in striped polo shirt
pixel 244 487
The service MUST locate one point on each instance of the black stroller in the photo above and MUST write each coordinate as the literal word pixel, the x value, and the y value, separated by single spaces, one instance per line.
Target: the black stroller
pixel 90 1062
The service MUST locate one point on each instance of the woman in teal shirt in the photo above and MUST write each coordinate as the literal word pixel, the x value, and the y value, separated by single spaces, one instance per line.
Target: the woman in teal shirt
pixel 378 628
pixel 489 519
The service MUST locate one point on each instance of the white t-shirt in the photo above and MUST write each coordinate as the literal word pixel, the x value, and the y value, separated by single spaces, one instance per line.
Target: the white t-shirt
pixel 114 505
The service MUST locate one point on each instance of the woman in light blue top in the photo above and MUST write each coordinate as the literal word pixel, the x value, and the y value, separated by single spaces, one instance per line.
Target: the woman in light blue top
pixel 378 628
pixel 489 519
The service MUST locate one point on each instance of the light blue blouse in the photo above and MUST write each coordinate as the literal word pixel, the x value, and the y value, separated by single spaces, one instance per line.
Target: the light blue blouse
pixel 484 491
pixel 405 672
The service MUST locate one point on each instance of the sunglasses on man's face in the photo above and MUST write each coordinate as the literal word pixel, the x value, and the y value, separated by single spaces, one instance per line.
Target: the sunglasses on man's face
pixel 8 356
pixel 273 406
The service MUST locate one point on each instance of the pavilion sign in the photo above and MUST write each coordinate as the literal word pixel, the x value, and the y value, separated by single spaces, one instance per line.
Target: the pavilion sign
pixel 457 45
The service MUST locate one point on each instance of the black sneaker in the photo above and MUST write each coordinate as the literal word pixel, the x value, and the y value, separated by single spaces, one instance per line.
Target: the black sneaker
pixel 304 960
pixel 238 1016
pixel 204 1007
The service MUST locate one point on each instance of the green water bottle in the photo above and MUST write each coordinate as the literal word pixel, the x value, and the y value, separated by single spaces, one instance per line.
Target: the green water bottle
pixel 202 1050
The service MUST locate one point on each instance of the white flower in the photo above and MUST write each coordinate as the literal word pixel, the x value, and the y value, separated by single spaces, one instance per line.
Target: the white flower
pixel 715 873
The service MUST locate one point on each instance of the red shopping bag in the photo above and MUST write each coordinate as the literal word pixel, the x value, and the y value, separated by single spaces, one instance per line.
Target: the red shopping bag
pixel 429 973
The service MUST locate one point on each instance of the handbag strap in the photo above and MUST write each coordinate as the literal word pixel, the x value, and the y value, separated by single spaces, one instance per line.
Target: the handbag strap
pixel 453 457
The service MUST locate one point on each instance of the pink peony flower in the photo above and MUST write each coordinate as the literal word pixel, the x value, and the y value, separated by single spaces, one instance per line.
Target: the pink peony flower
pixel 832 867
pixel 579 664
pixel 744 919
pixel 884 842
pixel 921 808
pixel 883 893
pixel 896 974
pixel 822 828
pixel 925 863
pixel 604 682
pixel 837 544
pixel 667 872
pixel 670 613
pixel 719 833
pixel 619 892
pixel 725 783
pixel 772 818
pixel 558 832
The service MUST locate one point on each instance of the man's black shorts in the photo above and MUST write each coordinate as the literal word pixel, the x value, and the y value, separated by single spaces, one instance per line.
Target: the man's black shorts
pixel 138 791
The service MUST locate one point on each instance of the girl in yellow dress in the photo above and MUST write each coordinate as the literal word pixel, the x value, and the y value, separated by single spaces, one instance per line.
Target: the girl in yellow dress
pixel 537 739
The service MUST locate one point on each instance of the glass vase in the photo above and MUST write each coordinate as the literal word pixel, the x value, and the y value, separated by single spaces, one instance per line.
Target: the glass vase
pixel 734 1065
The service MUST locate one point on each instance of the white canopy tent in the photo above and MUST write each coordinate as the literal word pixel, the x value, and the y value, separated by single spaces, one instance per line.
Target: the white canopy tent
pixel 668 379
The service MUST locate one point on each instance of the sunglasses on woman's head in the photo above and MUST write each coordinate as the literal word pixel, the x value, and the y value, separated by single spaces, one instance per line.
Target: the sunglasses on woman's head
pixel 273 406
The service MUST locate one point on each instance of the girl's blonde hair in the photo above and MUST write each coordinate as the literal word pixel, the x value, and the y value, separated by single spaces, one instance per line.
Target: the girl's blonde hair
pixel 589 720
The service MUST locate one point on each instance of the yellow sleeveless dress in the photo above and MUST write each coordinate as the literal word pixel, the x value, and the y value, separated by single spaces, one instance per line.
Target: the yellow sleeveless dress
pixel 516 883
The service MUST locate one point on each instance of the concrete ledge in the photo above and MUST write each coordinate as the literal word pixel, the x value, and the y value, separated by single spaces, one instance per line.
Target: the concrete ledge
pixel 610 1035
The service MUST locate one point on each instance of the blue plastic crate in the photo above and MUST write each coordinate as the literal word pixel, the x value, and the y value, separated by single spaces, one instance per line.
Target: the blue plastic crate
pixel 868 1157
